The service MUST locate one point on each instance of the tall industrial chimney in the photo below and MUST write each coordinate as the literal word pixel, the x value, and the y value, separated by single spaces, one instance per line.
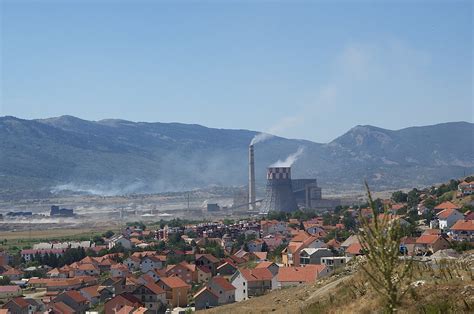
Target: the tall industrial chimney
pixel 252 197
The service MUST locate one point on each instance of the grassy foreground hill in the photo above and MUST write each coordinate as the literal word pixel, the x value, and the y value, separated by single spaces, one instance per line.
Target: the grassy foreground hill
pixel 444 287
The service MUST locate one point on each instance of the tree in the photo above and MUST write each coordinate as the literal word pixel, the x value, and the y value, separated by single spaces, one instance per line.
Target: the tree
pixel 399 197
pixel 4 281
pixel 380 240
pixel 108 234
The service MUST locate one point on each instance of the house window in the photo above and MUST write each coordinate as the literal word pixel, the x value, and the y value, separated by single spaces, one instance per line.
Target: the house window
pixel 244 290
pixel 244 284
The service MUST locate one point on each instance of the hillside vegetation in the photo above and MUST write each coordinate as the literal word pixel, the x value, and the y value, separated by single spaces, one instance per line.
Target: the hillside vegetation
pixel 121 157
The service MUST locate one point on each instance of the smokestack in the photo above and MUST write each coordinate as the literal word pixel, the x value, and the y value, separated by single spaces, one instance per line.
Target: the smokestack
pixel 252 197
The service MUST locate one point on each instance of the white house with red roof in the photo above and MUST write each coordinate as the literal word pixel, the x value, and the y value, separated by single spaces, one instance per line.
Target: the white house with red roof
pixel 447 218
pixel 463 230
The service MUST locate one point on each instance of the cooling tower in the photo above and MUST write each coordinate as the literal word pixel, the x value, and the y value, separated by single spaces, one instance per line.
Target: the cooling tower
pixel 279 193
pixel 252 197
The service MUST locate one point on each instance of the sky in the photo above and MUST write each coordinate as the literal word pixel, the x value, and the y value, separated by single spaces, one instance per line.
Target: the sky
pixel 298 69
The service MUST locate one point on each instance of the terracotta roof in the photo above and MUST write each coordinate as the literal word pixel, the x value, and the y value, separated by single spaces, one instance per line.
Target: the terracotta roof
pixel 13 271
pixel 76 296
pixel 207 290
pixel 432 231
pixel 309 273
pixel 463 225
pixel 446 205
pixel 333 243
pixel 256 274
pixel 264 264
pixel 223 283
pixel 63 308
pixel 300 237
pixel 174 282
pixel 261 255
pixel 354 248
pixel 427 239
pixel 21 302
pixel 154 288
pixel 210 257
pixel 445 213
pixel 92 291
pixel 87 267
pixel 10 288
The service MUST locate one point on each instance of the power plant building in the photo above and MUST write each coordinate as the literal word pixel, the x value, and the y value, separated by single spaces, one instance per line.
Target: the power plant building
pixel 279 194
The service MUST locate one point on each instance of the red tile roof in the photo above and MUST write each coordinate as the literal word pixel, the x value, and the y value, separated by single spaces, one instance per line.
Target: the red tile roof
pixel 207 290
pixel 354 248
pixel 174 282
pixel 445 213
pixel 61 307
pixel 309 273
pixel 446 205
pixel 76 296
pixel 223 283
pixel 210 257
pixel 463 225
pixel 256 274
pixel 427 239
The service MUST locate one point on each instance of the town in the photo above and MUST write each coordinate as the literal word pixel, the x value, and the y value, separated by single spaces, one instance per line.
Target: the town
pixel 183 266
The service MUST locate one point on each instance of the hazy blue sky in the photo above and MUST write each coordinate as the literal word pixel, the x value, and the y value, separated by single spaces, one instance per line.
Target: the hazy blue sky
pixel 307 70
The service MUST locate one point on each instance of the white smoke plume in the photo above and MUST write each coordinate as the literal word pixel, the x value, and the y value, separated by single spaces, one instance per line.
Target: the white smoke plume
pixel 290 160
pixel 260 137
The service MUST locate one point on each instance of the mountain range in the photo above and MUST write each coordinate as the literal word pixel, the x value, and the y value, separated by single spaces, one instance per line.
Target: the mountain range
pixel 110 157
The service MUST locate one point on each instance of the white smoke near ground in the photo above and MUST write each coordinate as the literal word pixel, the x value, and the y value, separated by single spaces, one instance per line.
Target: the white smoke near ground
pixel 290 160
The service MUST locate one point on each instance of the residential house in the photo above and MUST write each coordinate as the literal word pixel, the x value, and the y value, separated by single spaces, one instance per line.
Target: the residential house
pixel 87 270
pixel 226 269
pixel 73 299
pixel 18 305
pixel 223 288
pixel 9 291
pixel 176 291
pixel 334 262
pixel 272 227
pixel 118 302
pixel 203 274
pixel 132 262
pixel 152 262
pixel 252 282
pixel 271 266
pixel 120 240
pixel 13 274
pixel 466 188
pixel 209 261
pixel 463 230
pixel 446 205
pixel 313 256
pixel 119 270
pixel 291 254
pixel 187 272
pixel 447 218
pixel 29 254
pixel 293 276
pixel 354 249
pixel 205 298
pixel 431 244
pixel 92 294
pixel 151 295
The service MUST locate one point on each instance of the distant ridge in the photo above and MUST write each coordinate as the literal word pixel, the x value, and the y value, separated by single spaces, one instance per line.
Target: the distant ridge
pixel 116 156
